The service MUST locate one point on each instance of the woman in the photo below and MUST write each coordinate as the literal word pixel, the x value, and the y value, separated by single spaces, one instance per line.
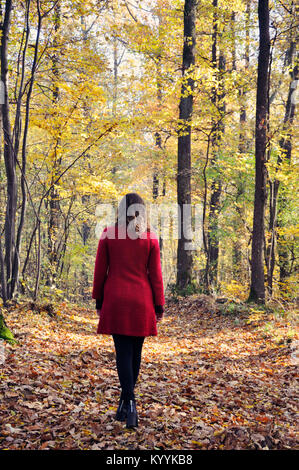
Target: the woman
pixel 129 293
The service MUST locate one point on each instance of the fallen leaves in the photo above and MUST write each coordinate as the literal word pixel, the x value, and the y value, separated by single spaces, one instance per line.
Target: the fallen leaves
pixel 206 381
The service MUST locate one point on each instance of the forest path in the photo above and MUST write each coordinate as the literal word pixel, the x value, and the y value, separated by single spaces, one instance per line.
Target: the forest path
pixel 209 380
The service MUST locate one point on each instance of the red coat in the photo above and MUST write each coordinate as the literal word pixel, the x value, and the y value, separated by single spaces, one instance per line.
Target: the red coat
pixel 132 286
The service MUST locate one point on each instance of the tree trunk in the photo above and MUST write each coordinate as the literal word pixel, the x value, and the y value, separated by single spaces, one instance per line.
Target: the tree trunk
pixel 158 141
pixel 217 134
pixel 238 261
pixel 85 199
pixel 184 256
pixel 16 261
pixel 257 288
pixel 54 196
pixel 9 159
pixel 158 144
pixel 286 149
pixel 86 228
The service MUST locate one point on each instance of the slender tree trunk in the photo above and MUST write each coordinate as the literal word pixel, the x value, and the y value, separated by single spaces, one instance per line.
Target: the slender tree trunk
pixel 184 256
pixel 54 196
pixel 216 138
pixel 2 275
pixel 213 139
pixel 243 148
pixel 158 145
pixel 85 235
pixel 282 203
pixel 158 141
pixel 16 262
pixel 9 159
pixel 86 228
pixel 257 288
pixel 38 262
pixel 286 148
pixel 116 62
pixel 115 76
pixel 13 141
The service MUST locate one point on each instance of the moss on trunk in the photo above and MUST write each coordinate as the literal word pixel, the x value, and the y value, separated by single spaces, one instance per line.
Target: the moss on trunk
pixel 5 333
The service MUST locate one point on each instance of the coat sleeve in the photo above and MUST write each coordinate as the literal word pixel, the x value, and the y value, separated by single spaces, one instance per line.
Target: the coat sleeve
pixel 100 269
pixel 155 272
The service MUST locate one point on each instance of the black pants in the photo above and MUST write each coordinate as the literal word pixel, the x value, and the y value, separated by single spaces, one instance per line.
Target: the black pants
pixel 128 358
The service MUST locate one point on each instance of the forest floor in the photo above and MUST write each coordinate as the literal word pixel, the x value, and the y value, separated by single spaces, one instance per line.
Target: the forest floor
pixel 213 378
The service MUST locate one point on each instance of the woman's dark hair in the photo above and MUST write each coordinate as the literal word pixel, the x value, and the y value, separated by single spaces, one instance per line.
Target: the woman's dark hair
pixel 127 201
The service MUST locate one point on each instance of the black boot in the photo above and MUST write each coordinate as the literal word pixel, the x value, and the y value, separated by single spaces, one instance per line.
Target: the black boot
pixel 132 418
pixel 121 412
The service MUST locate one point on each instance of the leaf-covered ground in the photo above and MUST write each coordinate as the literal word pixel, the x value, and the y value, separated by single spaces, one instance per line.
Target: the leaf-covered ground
pixel 209 380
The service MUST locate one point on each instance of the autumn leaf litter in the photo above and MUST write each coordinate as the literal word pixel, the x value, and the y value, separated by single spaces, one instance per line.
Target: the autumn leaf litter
pixel 208 381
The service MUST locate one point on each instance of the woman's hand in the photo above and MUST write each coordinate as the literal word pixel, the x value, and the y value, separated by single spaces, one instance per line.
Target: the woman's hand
pixel 99 313
pixel 159 309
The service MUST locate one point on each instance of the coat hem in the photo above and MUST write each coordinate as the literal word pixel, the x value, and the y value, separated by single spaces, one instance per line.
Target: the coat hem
pixel 126 334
